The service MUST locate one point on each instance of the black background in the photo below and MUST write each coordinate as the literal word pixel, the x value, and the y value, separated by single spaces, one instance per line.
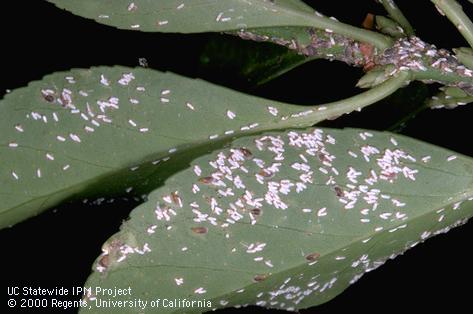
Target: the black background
pixel 58 247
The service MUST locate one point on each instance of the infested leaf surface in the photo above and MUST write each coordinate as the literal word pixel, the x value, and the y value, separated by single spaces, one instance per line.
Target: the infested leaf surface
pixel 285 220
pixel 194 16
pixel 107 131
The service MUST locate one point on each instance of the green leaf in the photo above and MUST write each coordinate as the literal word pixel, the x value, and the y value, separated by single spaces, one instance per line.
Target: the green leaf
pixel 191 16
pixel 449 97
pixel 375 76
pixel 398 18
pixel 283 220
pixel 104 131
pixel 199 16
pixel 389 27
pixel 465 56
pixel 250 61
pixel 290 23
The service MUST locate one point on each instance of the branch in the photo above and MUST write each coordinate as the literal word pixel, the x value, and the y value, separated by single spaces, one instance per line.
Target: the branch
pixel 424 61
pixel 333 110
pixel 319 21
pixel 319 44
pixel 427 63
pixel 454 11
pixel 396 14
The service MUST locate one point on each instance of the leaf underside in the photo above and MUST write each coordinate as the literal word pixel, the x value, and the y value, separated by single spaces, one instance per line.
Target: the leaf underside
pixel 290 23
pixel 284 220
pixel 107 131
pixel 195 16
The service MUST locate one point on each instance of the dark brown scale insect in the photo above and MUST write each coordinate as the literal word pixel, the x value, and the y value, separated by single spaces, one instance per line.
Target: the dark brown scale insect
pixel 246 152
pixel 323 157
pixel 48 97
pixel 104 261
pixel 265 173
pixel 259 278
pixel 199 230
pixel 338 191
pixel 256 212
pixel 312 257
pixel 176 199
pixel 206 180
